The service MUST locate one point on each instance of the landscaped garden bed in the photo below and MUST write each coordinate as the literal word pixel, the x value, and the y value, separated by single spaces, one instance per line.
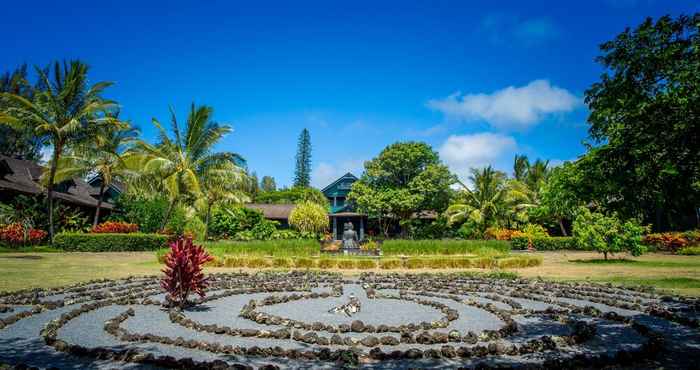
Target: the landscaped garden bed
pixel 288 320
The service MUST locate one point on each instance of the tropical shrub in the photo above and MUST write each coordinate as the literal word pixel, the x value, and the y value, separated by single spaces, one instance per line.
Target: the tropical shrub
pixel 607 234
pixel 498 233
pixel 535 231
pixel 553 243
pixel 689 251
pixel 195 227
pixel 309 217
pixel 115 227
pixel 183 271
pixel 83 242
pixel 226 222
pixel 672 241
pixel 294 195
pixel 17 234
pixel 147 213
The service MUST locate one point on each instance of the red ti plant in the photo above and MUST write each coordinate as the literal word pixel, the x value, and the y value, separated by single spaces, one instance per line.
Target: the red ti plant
pixel 183 271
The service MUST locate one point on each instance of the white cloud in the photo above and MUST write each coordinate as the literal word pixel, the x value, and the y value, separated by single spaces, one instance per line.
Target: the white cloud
pixel 463 152
pixel 509 108
pixel 325 172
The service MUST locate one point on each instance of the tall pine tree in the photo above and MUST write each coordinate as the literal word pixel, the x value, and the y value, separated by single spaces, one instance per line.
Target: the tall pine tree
pixel 302 172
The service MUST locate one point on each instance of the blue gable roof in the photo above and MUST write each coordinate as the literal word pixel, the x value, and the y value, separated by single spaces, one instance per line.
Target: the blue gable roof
pixel 339 189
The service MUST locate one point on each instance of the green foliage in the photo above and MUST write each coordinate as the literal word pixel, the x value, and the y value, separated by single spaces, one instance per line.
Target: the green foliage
pixel 267 184
pixel 226 222
pixel 470 230
pixel 444 247
pixel 535 231
pixel 645 114
pixel 293 195
pixel 147 212
pixel 545 243
pixel 559 195
pixel 195 226
pixel 689 251
pixel 404 179
pixel 19 142
pixel 390 264
pixel 428 229
pixel 607 234
pixel 309 217
pixel 302 170
pixel 81 242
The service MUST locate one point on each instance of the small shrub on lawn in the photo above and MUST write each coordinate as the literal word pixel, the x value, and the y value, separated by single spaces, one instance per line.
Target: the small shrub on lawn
pixel 257 262
pixel 608 234
pixel 115 227
pixel 415 263
pixel 346 264
pixel 281 262
pixel 689 251
pixel 462 263
pixel 304 263
pixel 498 233
pixel 672 241
pixel 389 264
pixel 519 262
pixel 327 263
pixel 366 264
pixel 183 271
pixel 81 242
pixel 16 235
pixel 235 262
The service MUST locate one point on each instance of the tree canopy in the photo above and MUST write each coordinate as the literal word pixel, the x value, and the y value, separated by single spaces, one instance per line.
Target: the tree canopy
pixel 645 123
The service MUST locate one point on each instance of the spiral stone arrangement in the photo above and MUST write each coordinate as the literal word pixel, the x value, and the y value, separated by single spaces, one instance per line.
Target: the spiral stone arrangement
pixel 288 320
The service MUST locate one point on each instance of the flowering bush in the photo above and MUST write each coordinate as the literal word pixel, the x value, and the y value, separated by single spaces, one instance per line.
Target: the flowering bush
pixel 672 241
pixel 115 227
pixel 183 271
pixel 501 233
pixel 16 234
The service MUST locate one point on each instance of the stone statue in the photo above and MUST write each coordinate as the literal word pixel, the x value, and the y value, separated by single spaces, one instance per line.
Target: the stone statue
pixel 350 239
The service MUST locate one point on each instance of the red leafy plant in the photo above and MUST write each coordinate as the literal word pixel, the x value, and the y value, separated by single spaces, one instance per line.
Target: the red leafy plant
pixel 183 271
pixel 16 234
pixel 115 227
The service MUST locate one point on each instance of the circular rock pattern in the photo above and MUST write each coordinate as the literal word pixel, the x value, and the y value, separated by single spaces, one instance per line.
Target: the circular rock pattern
pixel 282 320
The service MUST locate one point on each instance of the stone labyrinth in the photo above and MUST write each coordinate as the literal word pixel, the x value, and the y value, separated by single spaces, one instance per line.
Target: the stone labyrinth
pixel 321 320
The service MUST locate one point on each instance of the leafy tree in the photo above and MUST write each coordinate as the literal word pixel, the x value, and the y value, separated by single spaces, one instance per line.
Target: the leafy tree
pixel 645 120
pixel 309 217
pixel 67 110
pixel 184 162
pixel 104 156
pixel 19 142
pixel 406 177
pixel 302 171
pixel 268 184
pixel 253 185
pixel 559 197
pixel 607 234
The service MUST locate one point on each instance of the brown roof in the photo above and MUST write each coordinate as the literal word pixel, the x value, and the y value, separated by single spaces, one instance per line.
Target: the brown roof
pixel 23 176
pixel 273 211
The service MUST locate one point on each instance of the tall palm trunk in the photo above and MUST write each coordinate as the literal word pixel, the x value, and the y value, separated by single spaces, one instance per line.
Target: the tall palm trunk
pixel 171 207
pixel 49 187
pixel 99 204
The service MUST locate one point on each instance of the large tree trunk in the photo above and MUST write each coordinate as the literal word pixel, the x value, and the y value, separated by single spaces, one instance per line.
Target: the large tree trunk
pixel 206 222
pixel 167 214
pixel 99 204
pixel 49 187
pixel 561 226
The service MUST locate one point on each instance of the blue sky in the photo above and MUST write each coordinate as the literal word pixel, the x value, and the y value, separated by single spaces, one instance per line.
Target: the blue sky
pixel 478 81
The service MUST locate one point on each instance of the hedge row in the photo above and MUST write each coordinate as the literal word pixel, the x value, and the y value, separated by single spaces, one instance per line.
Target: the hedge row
pixel 554 243
pixel 81 242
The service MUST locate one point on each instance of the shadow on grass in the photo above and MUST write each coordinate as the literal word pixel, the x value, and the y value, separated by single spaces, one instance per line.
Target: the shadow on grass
pixel 611 261
pixel 28 257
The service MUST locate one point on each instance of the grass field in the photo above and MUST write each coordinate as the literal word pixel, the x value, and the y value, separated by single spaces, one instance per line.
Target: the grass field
pixel 678 274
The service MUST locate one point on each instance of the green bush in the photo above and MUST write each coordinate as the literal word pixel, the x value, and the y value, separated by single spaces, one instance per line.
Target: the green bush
pixel 80 242
pixel 519 262
pixel 327 263
pixel 226 222
pixel 148 213
pixel 309 217
pixel 366 264
pixel 689 251
pixel 282 262
pixel 347 264
pixel 444 247
pixel 257 262
pixel 415 263
pixel 235 262
pixel 554 243
pixel 607 234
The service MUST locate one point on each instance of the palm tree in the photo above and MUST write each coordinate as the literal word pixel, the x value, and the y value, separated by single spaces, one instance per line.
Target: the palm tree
pixel 185 161
pixel 105 156
pixel 65 110
pixel 485 204
pixel 224 184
